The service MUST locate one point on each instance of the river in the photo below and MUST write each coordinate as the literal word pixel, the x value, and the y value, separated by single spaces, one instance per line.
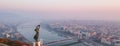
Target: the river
pixel 27 30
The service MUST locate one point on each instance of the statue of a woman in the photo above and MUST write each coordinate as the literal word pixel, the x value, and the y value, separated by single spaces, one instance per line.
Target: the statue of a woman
pixel 37 33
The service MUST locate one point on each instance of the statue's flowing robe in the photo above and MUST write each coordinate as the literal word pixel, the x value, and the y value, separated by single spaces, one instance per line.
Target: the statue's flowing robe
pixel 36 35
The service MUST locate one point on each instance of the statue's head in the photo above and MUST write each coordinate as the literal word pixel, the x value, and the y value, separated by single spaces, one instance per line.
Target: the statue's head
pixel 38 26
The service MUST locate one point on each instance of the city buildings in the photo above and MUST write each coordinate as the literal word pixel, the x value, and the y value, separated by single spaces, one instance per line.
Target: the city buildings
pixel 100 33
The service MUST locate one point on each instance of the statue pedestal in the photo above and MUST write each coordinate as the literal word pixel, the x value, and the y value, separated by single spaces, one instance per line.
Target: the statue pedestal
pixel 37 43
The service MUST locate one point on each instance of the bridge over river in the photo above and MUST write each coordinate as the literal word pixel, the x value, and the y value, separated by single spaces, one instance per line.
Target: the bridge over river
pixel 65 42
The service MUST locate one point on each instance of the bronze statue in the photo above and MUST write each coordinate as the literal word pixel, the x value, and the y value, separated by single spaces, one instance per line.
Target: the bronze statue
pixel 37 33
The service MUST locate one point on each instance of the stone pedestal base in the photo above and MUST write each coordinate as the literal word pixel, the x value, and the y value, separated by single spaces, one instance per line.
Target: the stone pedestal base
pixel 37 43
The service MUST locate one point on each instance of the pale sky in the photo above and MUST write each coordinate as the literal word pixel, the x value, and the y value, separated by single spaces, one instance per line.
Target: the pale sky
pixel 66 9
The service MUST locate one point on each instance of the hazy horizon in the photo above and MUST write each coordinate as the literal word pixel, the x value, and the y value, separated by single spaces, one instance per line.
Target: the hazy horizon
pixel 106 10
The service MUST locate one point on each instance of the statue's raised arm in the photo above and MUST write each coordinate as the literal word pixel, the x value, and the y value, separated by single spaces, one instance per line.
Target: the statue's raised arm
pixel 37 29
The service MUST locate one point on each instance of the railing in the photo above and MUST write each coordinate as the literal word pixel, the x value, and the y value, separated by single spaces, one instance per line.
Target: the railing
pixel 3 44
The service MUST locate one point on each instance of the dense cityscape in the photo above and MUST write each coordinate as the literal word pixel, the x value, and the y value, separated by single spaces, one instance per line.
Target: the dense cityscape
pixel 106 33
pixel 84 32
